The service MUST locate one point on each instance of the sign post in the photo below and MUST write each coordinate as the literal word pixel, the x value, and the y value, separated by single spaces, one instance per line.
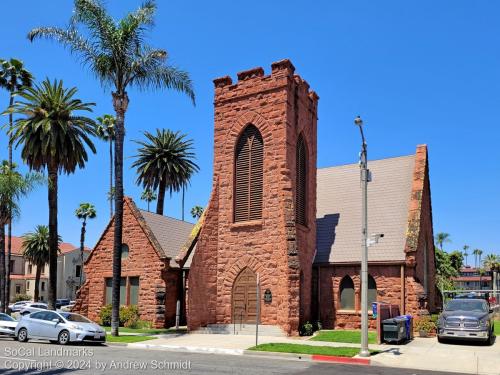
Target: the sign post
pixel 257 317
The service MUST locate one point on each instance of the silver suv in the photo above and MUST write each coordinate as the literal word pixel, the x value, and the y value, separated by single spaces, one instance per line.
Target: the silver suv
pixel 466 319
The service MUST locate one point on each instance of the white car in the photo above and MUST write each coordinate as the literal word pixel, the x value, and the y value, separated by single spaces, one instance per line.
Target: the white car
pixel 15 307
pixel 7 325
pixel 60 327
pixel 32 307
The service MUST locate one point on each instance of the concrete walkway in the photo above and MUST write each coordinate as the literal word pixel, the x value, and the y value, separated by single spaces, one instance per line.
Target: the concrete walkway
pixel 422 354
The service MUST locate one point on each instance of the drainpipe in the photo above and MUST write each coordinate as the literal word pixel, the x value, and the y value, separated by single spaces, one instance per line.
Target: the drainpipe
pixel 402 304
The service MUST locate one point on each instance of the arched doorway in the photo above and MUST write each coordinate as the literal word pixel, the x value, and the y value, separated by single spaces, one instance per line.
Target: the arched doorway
pixel 245 297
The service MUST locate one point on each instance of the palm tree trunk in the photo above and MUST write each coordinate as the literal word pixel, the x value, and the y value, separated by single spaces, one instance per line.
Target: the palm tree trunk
pixel 120 103
pixel 2 268
pixel 53 236
pixel 9 228
pixel 37 282
pixel 183 191
pixel 161 196
pixel 82 244
pixel 110 176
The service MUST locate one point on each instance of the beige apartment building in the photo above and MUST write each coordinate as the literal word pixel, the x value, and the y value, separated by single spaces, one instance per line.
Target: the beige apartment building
pixel 69 269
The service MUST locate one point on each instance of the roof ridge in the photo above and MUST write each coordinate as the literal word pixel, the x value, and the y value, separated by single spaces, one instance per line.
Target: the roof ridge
pixel 369 161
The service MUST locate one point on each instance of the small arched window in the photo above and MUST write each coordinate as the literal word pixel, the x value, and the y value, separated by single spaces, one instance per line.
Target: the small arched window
pixel 301 183
pixel 372 291
pixel 125 250
pixel 248 173
pixel 347 294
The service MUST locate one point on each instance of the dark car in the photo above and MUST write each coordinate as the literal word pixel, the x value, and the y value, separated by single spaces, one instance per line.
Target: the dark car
pixel 62 302
pixel 466 319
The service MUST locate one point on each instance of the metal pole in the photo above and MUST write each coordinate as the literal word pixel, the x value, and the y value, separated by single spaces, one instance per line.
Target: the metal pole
pixel 364 352
pixel 258 313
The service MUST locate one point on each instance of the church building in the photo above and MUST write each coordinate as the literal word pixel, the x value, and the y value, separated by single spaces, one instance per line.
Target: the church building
pixel 279 238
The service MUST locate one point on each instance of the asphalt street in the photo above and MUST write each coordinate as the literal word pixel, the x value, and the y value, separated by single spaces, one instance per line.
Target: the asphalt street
pixel 37 357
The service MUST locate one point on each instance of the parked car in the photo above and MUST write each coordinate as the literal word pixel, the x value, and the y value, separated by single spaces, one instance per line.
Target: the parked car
pixel 466 319
pixel 67 308
pixel 32 307
pixel 62 302
pixel 7 325
pixel 59 327
pixel 15 307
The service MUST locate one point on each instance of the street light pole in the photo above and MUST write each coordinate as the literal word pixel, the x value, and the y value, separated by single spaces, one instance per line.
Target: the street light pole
pixel 365 177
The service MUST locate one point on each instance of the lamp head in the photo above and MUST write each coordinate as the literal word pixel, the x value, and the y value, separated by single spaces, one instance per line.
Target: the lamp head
pixel 358 121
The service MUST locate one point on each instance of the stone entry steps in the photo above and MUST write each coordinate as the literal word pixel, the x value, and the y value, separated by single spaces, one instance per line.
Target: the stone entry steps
pixel 244 329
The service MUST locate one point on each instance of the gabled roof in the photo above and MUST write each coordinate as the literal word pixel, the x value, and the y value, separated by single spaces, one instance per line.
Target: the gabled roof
pixel 17 246
pixel 170 233
pixel 338 218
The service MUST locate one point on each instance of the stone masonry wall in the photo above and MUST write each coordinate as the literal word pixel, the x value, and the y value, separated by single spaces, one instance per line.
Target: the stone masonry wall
pixel 272 247
pixel 143 261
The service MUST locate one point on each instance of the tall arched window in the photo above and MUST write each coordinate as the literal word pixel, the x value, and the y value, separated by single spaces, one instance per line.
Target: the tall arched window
pixel 372 291
pixel 301 183
pixel 248 173
pixel 347 294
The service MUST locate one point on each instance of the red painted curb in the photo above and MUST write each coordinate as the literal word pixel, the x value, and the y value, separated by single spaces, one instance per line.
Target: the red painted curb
pixel 332 358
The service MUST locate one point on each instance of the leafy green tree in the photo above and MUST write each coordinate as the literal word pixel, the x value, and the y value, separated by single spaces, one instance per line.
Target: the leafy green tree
pixel 491 262
pixel 441 238
pixel 54 136
pixel 83 212
pixel 196 212
pixel 116 52
pixel 13 78
pixel 456 260
pixel 106 131
pixel 36 250
pixel 444 270
pixel 148 195
pixel 13 187
pixel 164 161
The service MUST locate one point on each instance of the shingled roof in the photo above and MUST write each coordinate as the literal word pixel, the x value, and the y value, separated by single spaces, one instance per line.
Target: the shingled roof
pixel 338 218
pixel 170 233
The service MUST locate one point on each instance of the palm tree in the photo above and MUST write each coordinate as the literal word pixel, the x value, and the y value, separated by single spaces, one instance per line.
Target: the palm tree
pixel 13 78
pixel 106 131
pixel 13 186
pixel 479 253
pixel 83 212
pixel 475 252
pixel 164 161
pixel 115 51
pixel 53 136
pixel 196 212
pixel 491 261
pixel 442 238
pixel 148 195
pixel 37 251
pixel 466 254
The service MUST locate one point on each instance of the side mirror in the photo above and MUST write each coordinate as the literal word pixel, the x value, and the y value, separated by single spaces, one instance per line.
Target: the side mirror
pixel 491 311
pixel 56 320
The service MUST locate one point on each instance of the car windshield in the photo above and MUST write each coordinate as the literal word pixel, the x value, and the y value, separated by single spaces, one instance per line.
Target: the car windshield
pixel 70 317
pixel 6 318
pixel 467 305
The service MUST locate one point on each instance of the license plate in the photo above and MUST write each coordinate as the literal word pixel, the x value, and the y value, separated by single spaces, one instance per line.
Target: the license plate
pixel 97 336
pixel 461 333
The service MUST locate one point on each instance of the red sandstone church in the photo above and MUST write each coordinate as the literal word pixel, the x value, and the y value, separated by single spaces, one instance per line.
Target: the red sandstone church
pixel 273 218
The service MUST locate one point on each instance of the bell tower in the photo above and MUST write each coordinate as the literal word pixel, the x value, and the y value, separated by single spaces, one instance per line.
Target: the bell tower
pixel 260 223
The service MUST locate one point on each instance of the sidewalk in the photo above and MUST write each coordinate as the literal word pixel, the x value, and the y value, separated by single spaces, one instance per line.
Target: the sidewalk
pixel 421 354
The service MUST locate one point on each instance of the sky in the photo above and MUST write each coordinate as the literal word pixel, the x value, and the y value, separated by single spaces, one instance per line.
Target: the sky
pixel 425 72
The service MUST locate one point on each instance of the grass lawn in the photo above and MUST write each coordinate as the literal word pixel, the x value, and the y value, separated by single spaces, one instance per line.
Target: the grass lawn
pixel 148 331
pixel 353 337
pixel 308 349
pixel 128 339
pixel 497 327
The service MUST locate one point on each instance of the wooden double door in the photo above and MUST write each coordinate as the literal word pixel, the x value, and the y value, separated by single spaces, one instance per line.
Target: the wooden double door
pixel 244 299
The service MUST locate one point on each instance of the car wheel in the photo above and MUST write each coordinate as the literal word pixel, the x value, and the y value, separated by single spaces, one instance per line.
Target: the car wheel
pixel 441 340
pixel 22 335
pixel 491 338
pixel 63 338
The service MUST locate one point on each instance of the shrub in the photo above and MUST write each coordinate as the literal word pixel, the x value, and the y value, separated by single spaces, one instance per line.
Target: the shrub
pixel 317 326
pixel 129 316
pixel 105 315
pixel 425 324
pixel 306 329
pixel 144 324
pixel 22 297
